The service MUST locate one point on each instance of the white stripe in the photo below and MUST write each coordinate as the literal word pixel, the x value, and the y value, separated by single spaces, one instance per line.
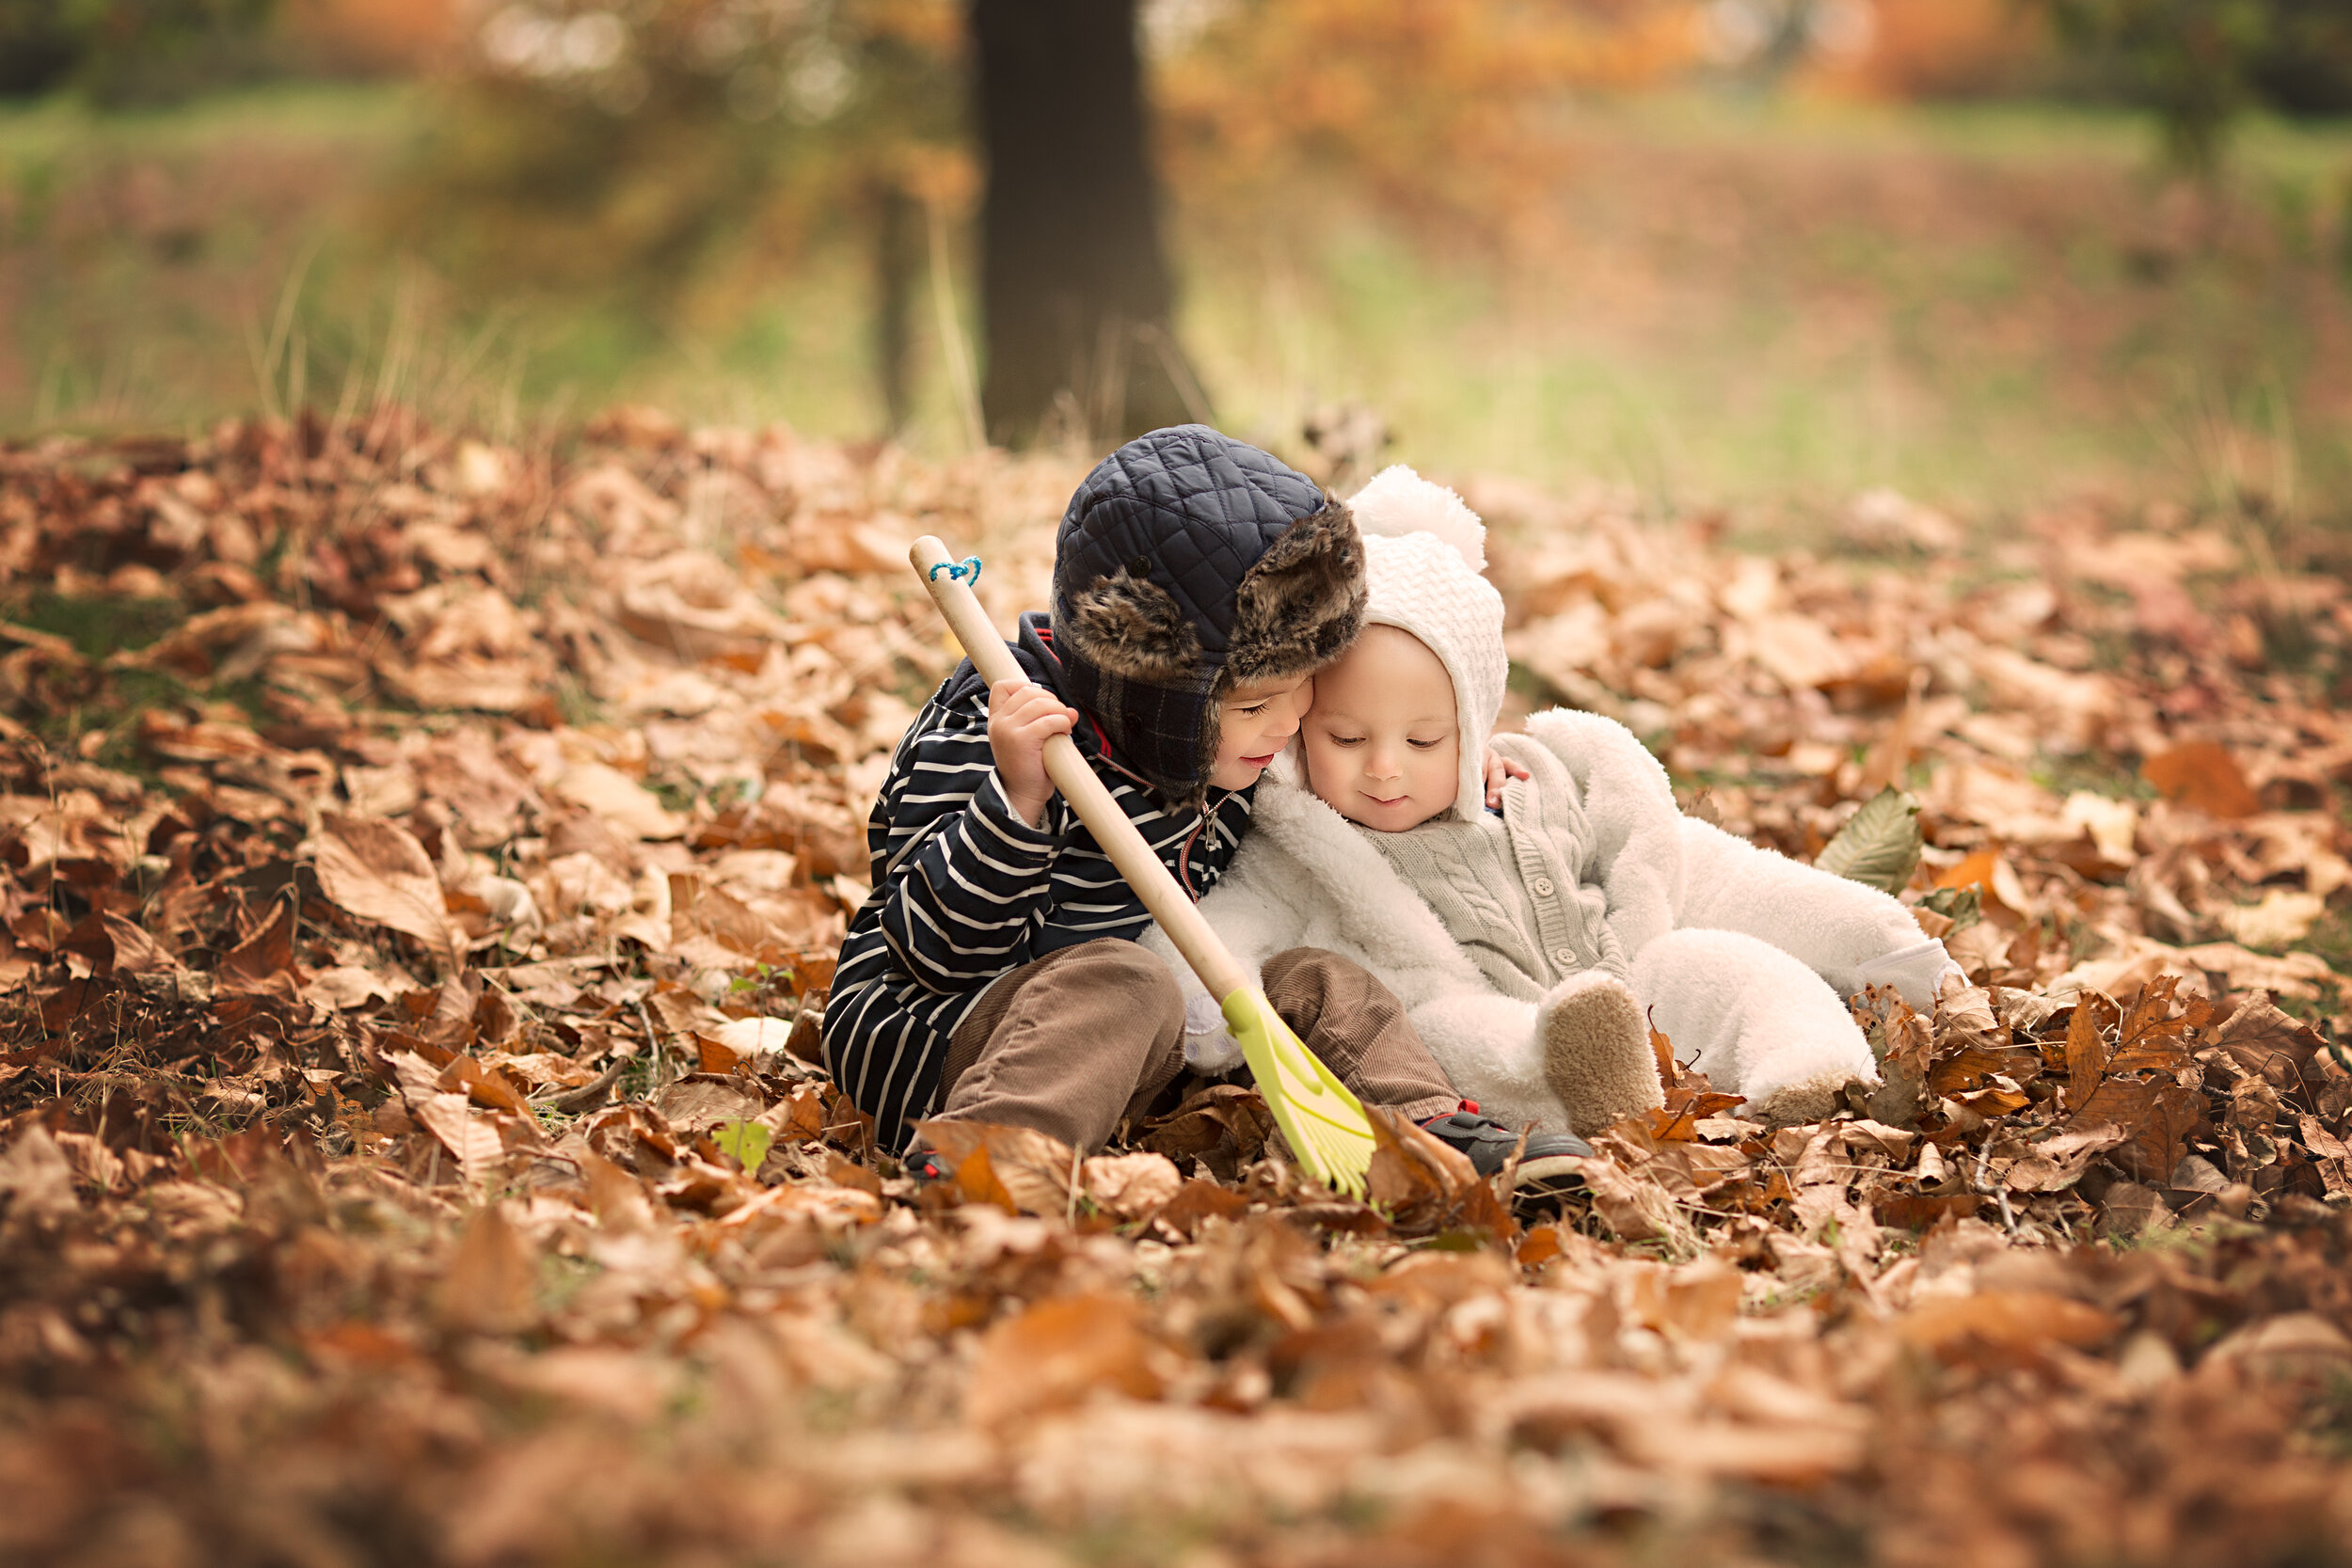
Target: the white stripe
pixel 952 945
pixel 1031 845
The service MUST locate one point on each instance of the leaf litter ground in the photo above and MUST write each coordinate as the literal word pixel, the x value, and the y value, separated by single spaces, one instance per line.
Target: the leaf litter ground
pixel 424 864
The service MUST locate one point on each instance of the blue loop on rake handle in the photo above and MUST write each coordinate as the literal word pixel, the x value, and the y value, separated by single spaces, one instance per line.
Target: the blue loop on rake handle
pixel 969 572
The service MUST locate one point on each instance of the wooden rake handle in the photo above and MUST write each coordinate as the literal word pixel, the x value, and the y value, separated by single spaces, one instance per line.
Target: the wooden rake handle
pixel 1170 904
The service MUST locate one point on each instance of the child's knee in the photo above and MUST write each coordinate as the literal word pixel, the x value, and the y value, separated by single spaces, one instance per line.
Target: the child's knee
pixel 1302 973
pixel 1294 962
pixel 1299 962
pixel 1116 962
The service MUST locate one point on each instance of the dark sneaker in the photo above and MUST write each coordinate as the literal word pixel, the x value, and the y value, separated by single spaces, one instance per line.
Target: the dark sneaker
pixel 1547 1167
pixel 928 1167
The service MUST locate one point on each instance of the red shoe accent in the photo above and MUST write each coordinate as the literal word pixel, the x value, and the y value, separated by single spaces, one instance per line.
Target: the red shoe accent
pixel 1470 1105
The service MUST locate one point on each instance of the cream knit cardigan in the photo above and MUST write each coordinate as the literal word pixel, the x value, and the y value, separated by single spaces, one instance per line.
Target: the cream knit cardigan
pixel 1306 877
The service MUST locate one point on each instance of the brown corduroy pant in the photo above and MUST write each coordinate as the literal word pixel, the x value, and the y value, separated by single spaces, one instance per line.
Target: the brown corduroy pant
pixel 1072 1043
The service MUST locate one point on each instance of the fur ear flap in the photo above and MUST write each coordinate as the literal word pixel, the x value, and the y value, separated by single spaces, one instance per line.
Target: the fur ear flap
pixel 1132 628
pixel 1302 603
pixel 1399 501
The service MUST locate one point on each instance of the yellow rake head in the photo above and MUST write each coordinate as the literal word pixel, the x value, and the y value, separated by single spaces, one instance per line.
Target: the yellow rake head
pixel 1325 1124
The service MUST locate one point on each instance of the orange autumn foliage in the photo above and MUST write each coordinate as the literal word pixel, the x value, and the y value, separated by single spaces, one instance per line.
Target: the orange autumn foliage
pixel 381 35
pixel 1939 49
pixel 1444 114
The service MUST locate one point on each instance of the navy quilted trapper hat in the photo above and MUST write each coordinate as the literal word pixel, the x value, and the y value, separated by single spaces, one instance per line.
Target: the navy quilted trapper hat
pixel 1188 565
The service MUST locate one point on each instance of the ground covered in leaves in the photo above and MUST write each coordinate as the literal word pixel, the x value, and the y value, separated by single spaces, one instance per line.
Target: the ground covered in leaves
pixel 424 861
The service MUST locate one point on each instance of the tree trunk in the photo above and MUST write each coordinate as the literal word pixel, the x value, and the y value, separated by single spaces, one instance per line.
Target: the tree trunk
pixel 1074 286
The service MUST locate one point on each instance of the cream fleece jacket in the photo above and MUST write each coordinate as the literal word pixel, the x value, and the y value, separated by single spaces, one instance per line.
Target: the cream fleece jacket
pixel 1755 1001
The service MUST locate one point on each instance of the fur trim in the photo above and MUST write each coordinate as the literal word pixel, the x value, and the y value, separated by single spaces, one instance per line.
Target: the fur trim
pixel 1212 737
pixel 1302 603
pixel 1132 627
pixel 1400 502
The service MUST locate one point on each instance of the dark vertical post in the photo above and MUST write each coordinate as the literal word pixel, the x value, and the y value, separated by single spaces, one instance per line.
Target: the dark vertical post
pixel 1074 285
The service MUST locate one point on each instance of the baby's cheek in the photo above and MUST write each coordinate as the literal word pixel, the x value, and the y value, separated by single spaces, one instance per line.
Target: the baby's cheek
pixel 1442 778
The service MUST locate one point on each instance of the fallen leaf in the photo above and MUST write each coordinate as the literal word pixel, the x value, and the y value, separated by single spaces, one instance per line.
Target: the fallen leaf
pixel 744 1142
pixel 37 1179
pixel 1197 1201
pixel 379 872
pixel 1034 1171
pixel 2155 1119
pixel 1957 1327
pixel 1130 1186
pixel 135 952
pixel 695 1105
pixel 2294 1344
pixel 619 800
pixel 471 1140
pixel 482 1086
pixel 1057 1354
pixel 2204 777
pixel 1425 1187
pixel 618 1197
pixel 1677 1120
pixel 2282 919
pixel 1879 845
pixel 2086 1051
pixel 263 963
pixel 744 1042
pixel 2111 824
pixel 492 1280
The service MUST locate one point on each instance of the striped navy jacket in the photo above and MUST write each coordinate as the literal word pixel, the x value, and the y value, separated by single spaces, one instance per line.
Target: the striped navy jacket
pixel 964 890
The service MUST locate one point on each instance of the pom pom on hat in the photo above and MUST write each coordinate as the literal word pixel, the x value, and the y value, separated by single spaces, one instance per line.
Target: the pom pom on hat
pixel 1399 501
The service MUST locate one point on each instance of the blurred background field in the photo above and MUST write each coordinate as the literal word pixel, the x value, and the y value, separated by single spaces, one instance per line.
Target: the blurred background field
pixel 1762 254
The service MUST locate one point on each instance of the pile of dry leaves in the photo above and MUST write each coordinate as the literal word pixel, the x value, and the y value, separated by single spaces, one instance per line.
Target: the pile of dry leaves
pixel 424 861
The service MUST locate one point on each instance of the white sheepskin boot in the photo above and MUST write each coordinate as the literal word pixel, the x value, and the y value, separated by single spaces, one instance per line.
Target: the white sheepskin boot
pixel 1756 1020
pixel 1596 1051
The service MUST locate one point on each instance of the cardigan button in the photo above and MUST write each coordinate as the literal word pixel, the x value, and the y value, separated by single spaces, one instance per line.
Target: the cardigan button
pixel 1565 954
pixel 1543 887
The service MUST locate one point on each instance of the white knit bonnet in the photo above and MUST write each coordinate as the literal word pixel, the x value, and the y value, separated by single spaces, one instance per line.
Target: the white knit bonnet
pixel 1424 552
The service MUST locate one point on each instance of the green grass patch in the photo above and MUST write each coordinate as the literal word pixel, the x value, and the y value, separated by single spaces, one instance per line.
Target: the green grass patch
pixel 65 701
pixel 98 628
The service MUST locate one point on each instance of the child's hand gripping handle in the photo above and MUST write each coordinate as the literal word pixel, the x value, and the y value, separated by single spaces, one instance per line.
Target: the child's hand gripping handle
pixel 1104 818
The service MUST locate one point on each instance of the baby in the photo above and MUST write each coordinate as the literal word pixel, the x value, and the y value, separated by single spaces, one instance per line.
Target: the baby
pixel 1528 944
